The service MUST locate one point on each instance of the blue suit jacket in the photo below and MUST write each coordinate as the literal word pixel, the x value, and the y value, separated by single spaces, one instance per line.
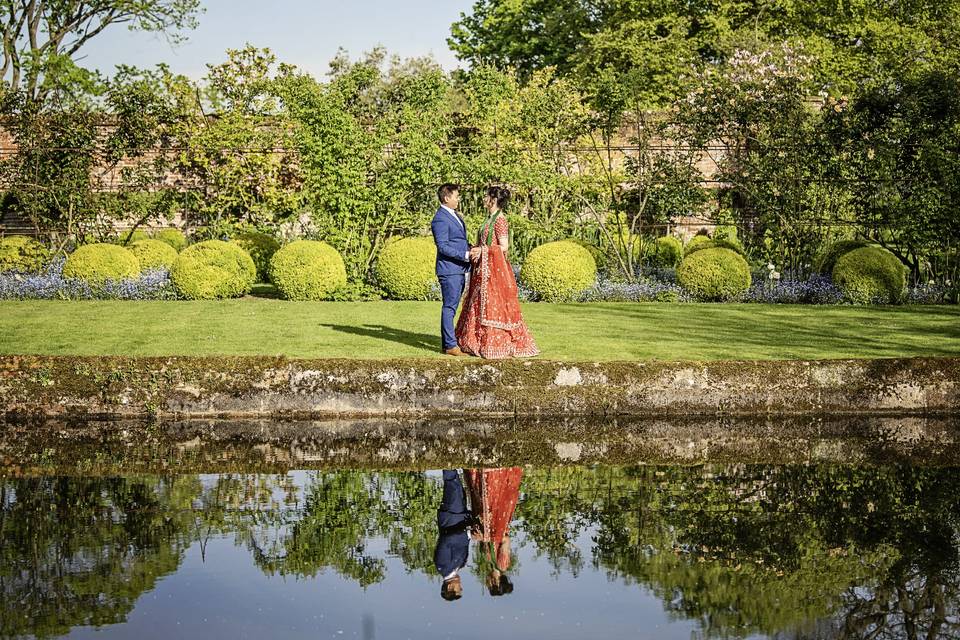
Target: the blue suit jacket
pixel 451 239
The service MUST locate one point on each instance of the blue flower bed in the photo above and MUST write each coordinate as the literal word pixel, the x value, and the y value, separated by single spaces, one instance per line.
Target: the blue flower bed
pixel 644 290
pixel 815 289
pixel 153 284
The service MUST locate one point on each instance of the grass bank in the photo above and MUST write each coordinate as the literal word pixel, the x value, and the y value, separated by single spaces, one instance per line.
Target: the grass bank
pixel 385 329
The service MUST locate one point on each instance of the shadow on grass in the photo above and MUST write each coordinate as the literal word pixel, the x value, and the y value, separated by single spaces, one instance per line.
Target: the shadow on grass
pixel 264 290
pixel 423 341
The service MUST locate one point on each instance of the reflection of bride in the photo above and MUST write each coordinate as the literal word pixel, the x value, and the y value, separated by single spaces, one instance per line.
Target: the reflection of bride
pixel 494 494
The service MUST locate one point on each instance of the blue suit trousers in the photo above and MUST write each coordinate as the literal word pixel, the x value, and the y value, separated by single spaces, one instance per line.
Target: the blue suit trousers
pixel 451 288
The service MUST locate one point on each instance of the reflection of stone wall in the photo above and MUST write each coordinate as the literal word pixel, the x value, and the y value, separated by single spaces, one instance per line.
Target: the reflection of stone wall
pixel 265 386
pixel 103 447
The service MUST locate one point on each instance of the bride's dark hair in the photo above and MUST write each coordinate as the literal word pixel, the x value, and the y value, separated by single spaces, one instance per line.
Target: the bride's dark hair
pixel 500 195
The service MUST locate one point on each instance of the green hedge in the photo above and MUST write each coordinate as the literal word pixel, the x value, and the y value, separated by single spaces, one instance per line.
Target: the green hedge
pixel 213 269
pixel 173 237
pixel 714 274
pixel 406 268
pixel 826 260
pixel 98 262
pixel 666 251
pixel 870 275
pixel 22 254
pixel 558 271
pixel 153 254
pixel 261 247
pixel 308 270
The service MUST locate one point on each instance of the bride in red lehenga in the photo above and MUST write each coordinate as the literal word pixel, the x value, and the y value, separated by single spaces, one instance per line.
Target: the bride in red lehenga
pixel 490 325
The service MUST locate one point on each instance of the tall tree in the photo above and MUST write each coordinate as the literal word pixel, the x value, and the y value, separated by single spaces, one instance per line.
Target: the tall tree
pixel 42 37
pixel 661 38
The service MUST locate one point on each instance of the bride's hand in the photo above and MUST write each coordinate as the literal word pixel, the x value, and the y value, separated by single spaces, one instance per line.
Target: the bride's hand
pixel 475 253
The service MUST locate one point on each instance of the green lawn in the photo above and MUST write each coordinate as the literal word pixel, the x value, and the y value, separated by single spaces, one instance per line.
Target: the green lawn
pixel 607 331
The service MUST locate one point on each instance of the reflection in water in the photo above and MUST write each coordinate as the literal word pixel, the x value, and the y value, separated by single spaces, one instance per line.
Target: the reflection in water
pixel 722 551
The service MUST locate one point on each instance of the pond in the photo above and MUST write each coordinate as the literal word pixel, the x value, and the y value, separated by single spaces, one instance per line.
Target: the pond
pixel 96 543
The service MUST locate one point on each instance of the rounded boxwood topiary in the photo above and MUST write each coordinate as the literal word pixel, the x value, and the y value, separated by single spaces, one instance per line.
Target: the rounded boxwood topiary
pixel 308 270
pixel 22 255
pixel 173 237
pixel 695 242
pixel 714 274
pixel 826 260
pixel 870 275
pixel 261 247
pixel 406 268
pixel 599 257
pixel 558 271
pixel 153 254
pixel 213 269
pixel 713 244
pixel 99 262
pixel 129 237
pixel 666 252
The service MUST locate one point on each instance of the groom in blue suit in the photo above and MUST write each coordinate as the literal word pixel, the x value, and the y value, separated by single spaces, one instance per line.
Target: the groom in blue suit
pixel 453 260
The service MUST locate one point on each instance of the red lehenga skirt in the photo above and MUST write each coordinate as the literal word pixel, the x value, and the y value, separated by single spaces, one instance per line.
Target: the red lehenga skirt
pixel 490 325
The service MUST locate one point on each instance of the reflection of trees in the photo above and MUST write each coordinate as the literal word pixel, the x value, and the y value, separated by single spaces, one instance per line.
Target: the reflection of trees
pixel 774 549
pixel 824 551
pixel 80 551
pixel 340 512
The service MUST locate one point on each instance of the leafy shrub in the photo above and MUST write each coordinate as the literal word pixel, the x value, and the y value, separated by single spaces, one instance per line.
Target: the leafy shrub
pixel 96 263
pixel 308 270
pixel 559 271
pixel 826 260
pixel 666 251
pixel 22 255
pixel 870 275
pixel 714 274
pixel 213 269
pixel 693 247
pixel 173 237
pixel 406 268
pixel 695 242
pixel 726 232
pixel 599 257
pixel 129 237
pixel 623 238
pixel 153 254
pixel 261 247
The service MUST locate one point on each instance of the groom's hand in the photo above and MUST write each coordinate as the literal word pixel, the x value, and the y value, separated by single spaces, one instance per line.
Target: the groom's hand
pixel 475 253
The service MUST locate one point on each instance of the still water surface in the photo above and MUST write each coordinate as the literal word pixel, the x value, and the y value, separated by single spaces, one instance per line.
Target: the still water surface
pixel 787 551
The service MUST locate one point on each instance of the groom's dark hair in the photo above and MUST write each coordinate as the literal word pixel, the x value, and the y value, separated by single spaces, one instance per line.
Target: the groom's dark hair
pixel 445 190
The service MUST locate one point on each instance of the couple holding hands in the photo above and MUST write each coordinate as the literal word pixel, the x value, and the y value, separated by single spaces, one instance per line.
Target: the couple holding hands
pixel 490 325
pixel 493 496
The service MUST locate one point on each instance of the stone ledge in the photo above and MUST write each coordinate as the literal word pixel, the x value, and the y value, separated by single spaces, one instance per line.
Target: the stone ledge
pixel 184 387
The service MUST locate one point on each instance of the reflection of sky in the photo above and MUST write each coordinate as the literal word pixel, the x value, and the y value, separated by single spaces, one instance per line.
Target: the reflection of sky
pixel 228 597
pixel 301 32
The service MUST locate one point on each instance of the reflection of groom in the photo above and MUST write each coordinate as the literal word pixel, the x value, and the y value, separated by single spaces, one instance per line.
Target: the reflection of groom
pixel 453 260
pixel 453 544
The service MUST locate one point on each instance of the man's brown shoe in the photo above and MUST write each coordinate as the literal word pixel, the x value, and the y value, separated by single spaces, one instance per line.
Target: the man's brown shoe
pixel 455 351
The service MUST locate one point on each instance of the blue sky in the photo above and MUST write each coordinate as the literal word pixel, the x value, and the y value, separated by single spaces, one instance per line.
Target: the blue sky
pixel 300 32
